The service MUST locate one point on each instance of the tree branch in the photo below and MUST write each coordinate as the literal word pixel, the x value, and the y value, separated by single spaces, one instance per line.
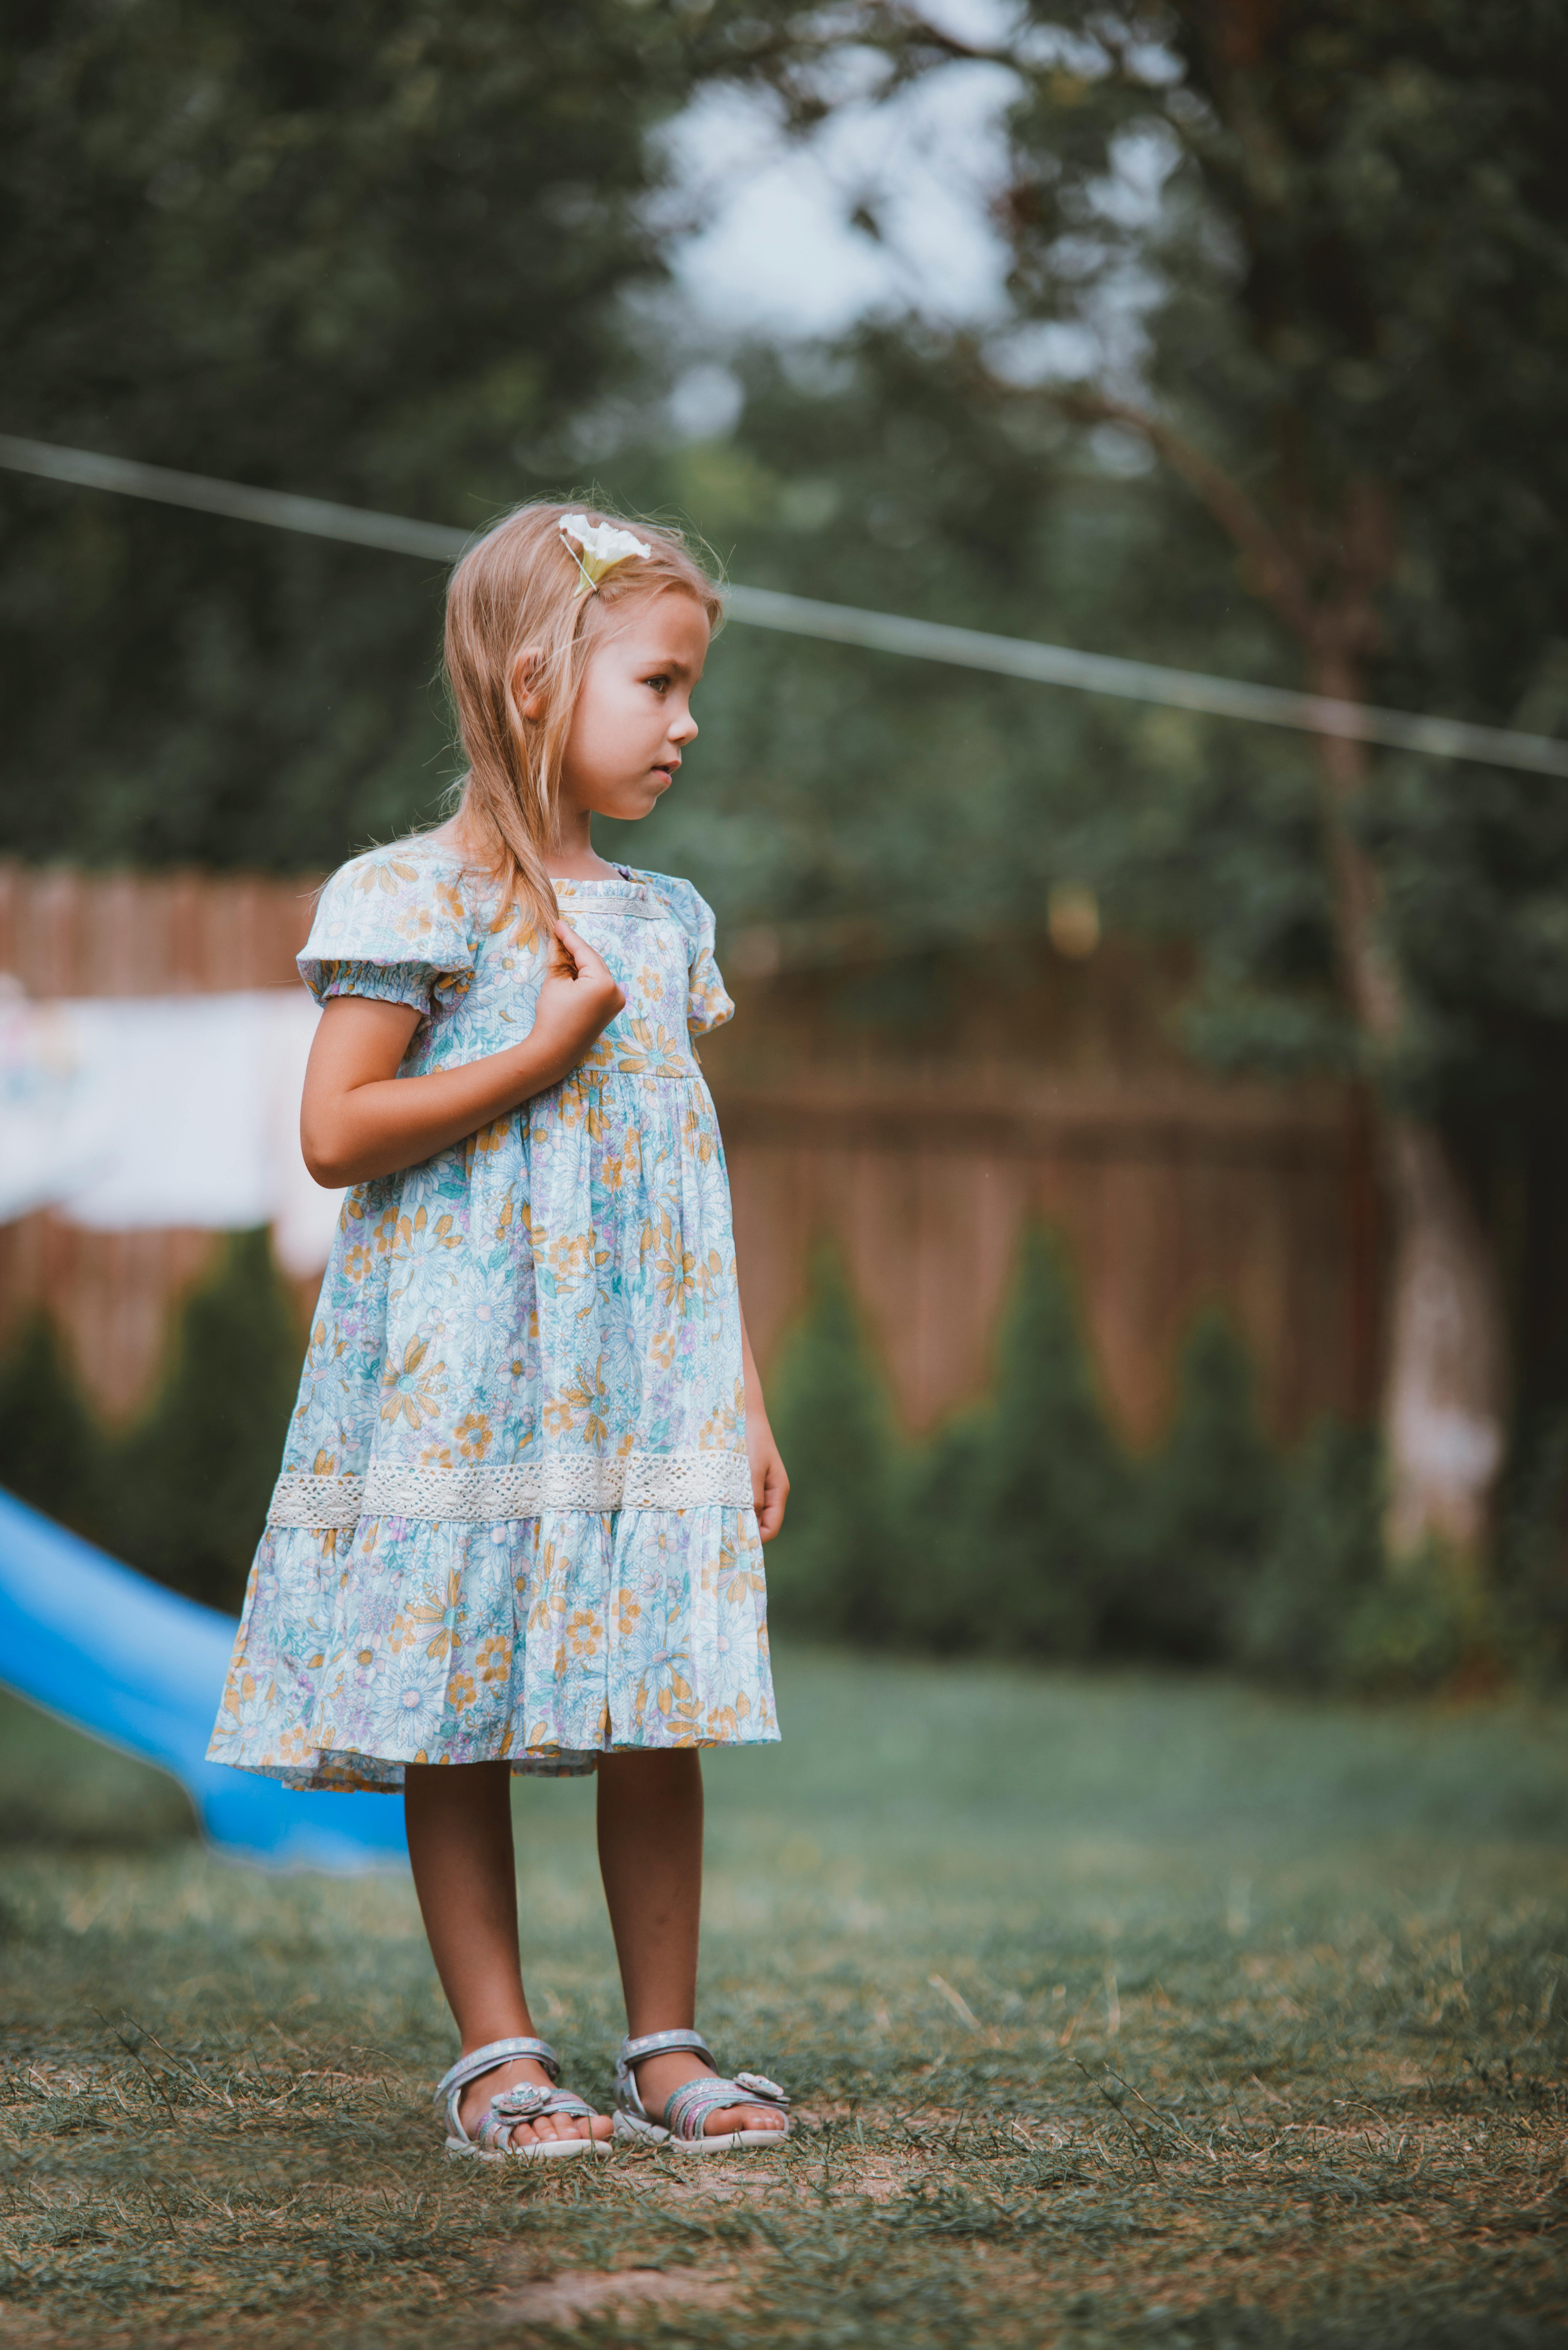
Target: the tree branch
pixel 889 25
pixel 1273 570
pixel 907 25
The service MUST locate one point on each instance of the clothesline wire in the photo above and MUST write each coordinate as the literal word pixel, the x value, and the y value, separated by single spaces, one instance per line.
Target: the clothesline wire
pixel 805 616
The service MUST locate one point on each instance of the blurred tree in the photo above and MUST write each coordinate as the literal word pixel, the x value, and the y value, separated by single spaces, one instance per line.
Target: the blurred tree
pixel 1212 1507
pixel 189 1485
pixel 52 1452
pixel 829 782
pixel 1312 258
pixel 1025 1528
pixel 1021 1515
pixel 838 1569
pixel 371 249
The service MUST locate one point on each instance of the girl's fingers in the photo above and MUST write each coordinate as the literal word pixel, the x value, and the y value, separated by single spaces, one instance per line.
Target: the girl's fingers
pixel 770 1500
pixel 588 964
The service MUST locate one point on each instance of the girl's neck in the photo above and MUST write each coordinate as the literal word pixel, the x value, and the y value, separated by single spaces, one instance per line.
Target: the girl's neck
pixel 573 859
pixel 579 864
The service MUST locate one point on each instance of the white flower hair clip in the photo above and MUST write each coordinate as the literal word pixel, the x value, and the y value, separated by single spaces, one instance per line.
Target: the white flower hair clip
pixel 599 548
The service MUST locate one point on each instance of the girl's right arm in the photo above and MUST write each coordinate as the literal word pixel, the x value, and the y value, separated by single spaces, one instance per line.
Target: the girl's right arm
pixel 359 1119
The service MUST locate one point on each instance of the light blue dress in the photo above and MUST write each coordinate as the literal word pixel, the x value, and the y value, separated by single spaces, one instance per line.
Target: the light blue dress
pixel 515 1518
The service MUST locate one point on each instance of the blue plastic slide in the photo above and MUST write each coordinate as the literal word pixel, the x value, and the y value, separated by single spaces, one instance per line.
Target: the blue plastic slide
pixel 141 1668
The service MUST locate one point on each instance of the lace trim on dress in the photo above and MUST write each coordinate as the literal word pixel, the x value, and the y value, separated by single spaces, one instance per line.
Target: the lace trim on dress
pixel 298 1499
pixel 638 1481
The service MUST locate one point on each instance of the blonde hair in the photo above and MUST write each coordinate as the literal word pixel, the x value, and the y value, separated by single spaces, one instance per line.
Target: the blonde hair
pixel 516 590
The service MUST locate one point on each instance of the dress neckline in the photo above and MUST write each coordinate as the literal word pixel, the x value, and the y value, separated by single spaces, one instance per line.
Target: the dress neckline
pixel 622 879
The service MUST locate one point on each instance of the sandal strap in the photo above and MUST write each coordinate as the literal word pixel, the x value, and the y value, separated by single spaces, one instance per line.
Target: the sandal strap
pixel 497 2052
pixel 522 2103
pixel 527 2101
pixel 659 2044
pixel 448 2090
pixel 628 2096
pixel 687 2108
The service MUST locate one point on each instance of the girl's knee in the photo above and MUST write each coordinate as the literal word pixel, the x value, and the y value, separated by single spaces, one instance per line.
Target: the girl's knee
pixel 653 1769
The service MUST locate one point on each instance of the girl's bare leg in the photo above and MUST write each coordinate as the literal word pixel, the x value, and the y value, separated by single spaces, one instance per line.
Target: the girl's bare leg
pixel 650 1857
pixel 458 1822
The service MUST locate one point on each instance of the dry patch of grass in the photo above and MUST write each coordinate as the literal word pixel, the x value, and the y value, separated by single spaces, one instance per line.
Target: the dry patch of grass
pixel 1118 2011
pixel 574 2294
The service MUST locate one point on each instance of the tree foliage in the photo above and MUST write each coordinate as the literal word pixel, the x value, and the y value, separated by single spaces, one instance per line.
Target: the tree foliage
pixel 375 251
pixel 1342 232
pixel 1350 298
pixel 192 1480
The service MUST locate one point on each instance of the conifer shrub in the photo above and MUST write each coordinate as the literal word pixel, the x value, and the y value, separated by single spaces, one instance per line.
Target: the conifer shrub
pixel 1024 1526
pixel 1429 1624
pixel 835 1570
pixel 1533 1563
pixel 1326 1556
pixel 1211 1506
pixel 1024 1512
pixel 193 1478
pixel 183 1493
pixel 52 1449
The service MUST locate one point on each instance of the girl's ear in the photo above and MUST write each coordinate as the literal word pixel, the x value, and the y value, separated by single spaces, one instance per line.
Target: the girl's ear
pixel 529 705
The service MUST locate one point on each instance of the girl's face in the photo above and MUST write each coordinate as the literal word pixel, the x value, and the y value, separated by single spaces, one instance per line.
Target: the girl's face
pixel 633 717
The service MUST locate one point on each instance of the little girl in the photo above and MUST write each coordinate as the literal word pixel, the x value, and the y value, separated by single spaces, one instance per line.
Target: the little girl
pixel 518 1523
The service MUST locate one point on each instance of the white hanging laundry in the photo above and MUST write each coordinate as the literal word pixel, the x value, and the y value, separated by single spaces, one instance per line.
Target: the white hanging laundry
pixel 303 1217
pixel 141 1112
pixel 52 1140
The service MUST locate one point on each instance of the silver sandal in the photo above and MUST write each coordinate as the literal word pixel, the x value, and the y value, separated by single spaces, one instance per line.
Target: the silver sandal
pixel 688 2108
pixel 527 2101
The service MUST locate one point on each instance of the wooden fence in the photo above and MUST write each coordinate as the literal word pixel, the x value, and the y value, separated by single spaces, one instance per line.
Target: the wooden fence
pixel 917 1113
pixel 920 1118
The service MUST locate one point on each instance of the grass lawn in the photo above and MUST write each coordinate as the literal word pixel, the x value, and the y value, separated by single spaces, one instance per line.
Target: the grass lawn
pixel 1118 2009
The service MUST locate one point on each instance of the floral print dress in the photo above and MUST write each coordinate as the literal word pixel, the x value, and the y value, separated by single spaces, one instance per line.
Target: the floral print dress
pixel 515 1518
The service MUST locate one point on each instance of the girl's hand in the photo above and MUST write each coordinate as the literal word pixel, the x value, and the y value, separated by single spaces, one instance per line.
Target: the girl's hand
pixel 770 1483
pixel 577 1001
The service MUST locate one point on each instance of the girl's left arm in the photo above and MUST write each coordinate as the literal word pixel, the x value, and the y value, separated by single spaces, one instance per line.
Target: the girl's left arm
pixel 770 1485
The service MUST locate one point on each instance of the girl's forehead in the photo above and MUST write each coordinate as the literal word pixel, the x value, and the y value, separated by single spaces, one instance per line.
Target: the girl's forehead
pixel 666 621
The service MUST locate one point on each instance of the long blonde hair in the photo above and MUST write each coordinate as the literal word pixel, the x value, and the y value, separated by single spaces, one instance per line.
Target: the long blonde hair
pixel 515 590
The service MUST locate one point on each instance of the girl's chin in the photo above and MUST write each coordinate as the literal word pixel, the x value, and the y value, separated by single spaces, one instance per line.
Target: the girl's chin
pixel 634 800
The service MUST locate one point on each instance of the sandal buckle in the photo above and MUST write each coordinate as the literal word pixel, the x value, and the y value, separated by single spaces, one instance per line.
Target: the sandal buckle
pixel 760 2085
pixel 520 2103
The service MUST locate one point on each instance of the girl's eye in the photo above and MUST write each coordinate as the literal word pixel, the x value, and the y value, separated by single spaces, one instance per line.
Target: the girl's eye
pixel 660 684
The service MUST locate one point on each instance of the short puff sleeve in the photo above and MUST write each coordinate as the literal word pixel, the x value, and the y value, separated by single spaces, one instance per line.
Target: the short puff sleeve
pixel 392 925
pixel 708 1002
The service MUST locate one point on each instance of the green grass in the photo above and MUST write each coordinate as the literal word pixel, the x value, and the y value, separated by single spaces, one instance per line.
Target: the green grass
pixel 1247 2029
